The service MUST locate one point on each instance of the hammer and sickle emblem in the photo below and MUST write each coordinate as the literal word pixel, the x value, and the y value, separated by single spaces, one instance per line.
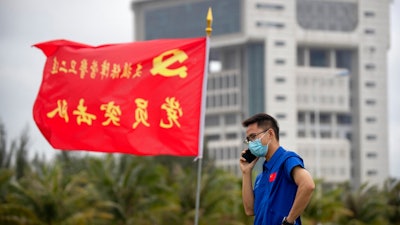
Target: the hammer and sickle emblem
pixel 160 65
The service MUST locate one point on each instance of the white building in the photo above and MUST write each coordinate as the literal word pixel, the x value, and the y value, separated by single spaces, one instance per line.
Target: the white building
pixel 318 66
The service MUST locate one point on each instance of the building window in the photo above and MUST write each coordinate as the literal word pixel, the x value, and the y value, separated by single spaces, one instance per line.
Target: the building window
pixel 343 119
pixel 301 117
pixel 221 82
pixel 349 136
pixel 319 58
pixel 224 99
pixel 370 84
pixel 370 119
pixel 301 133
pixel 210 84
pixel 212 120
pixel 216 83
pixel 372 172
pixel 166 22
pixel 213 137
pixel 232 81
pixel 372 155
pixel 255 62
pixel 370 102
pixel 230 119
pixel 229 99
pixel 231 136
pixel 217 100
pixel 371 137
pixel 270 24
pixel 280 98
pixel 280 43
pixel 369 14
pixel 343 59
pixel 281 116
pixel 280 61
pixel 280 80
pixel 327 15
pixel 325 118
pixel 208 102
pixel 230 58
pixel 370 66
pixel 371 49
pixel 268 6
pixel 225 82
pixel 300 56
pixel 233 100
pixel 369 31
pixel 325 134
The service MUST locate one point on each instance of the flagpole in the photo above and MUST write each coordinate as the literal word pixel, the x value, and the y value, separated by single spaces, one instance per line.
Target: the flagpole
pixel 200 159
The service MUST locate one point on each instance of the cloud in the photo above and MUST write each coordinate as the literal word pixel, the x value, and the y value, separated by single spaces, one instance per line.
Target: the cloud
pixel 24 23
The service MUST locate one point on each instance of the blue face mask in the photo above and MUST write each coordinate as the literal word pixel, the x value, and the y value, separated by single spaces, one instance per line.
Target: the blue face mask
pixel 257 149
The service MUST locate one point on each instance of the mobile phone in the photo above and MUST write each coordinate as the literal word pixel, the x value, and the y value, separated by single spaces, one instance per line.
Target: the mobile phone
pixel 249 156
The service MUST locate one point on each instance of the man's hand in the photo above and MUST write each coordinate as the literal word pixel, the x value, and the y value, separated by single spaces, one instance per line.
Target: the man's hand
pixel 247 186
pixel 245 166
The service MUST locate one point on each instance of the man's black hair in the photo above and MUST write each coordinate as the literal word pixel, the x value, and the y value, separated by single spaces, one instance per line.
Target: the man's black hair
pixel 263 121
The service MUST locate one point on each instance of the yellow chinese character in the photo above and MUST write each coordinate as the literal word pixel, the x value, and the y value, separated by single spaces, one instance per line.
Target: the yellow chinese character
pixel 72 68
pixel 82 115
pixel 83 68
pixel 160 65
pixel 141 114
pixel 94 68
pixel 63 67
pixel 138 71
pixel 174 111
pixel 112 113
pixel 127 72
pixel 115 71
pixel 61 109
pixel 105 69
pixel 56 65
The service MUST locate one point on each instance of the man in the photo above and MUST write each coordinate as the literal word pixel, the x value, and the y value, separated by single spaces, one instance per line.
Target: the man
pixel 284 188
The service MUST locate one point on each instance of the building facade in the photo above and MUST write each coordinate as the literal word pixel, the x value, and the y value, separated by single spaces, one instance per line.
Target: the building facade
pixel 318 66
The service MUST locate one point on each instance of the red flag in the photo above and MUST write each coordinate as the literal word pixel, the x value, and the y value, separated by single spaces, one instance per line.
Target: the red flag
pixel 142 98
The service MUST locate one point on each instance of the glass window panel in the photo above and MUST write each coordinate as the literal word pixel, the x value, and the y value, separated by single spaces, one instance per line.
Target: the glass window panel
pixel 319 58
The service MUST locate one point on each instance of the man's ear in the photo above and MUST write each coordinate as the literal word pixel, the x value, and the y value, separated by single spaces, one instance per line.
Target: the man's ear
pixel 272 133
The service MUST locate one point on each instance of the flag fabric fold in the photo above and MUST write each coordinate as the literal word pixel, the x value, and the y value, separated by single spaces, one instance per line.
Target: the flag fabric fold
pixel 141 98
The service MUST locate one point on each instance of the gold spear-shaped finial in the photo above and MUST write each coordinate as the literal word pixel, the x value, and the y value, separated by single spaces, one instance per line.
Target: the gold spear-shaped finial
pixel 209 22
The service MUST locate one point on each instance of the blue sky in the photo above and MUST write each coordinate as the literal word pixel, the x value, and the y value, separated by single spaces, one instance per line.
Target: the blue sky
pixel 95 22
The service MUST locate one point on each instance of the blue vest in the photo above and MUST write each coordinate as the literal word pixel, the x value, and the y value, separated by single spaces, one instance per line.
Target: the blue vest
pixel 275 189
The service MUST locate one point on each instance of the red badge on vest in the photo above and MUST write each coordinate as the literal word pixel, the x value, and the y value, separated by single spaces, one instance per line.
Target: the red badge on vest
pixel 272 177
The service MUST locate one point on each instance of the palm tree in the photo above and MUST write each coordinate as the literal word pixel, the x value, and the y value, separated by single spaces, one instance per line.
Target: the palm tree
pixel 55 199
pixel 21 157
pixel 220 192
pixel 366 204
pixel 325 207
pixel 5 155
pixel 136 186
pixel 391 191
pixel 221 201
pixel 12 213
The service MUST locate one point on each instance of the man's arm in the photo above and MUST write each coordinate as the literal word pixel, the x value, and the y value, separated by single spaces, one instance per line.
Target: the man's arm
pixel 304 192
pixel 247 186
